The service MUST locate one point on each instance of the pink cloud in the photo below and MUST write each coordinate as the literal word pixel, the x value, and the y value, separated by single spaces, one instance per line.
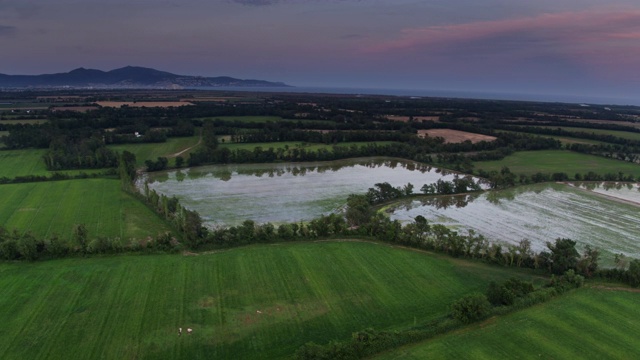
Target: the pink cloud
pixel 568 33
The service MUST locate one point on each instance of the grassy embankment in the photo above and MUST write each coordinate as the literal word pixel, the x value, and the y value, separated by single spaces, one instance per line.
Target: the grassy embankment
pixel 53 207
pixel 551 161
pixel 258 301
pixel 589 323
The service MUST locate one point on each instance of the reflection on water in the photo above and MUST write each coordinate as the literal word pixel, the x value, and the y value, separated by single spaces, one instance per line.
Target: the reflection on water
pixel 436 201
pixel 226 172
pixel 541 213
pixel 230 194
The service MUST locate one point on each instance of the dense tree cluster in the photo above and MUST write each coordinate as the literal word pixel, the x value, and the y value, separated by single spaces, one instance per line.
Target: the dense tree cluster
pixel 65 153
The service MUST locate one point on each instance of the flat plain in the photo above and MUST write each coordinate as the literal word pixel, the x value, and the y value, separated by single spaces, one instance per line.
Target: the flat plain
pixel 54 207
pixel 590 323
pixel 253 302
pixel 551 161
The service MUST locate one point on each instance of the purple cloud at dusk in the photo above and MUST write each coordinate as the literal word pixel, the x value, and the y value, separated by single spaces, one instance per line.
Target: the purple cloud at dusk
pixel 544 47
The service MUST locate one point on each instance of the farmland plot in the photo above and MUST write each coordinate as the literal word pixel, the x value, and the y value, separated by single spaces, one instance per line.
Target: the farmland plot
pixel 245 303
pixel 585 324
pixel 54 207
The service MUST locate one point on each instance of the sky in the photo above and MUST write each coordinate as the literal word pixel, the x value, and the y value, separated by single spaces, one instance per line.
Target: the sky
pixel 565 47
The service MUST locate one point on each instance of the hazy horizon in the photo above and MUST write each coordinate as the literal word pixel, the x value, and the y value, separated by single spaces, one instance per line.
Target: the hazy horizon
pixel 557 47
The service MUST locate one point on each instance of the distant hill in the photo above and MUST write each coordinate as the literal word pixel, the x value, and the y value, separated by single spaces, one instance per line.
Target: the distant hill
pixel 126 77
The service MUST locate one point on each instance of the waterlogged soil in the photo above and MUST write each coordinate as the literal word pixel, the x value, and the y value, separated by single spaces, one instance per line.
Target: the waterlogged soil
pixel 277 193
pixel 600 215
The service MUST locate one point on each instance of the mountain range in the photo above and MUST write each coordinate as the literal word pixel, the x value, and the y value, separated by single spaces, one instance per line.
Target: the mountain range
pixel 126 77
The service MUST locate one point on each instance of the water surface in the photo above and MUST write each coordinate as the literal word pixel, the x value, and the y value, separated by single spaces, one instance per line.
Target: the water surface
pixel 230 194
pixel 540 213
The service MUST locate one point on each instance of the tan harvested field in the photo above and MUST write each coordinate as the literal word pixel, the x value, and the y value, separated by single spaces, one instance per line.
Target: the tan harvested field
pixel 212 99
pixel 75 108
pixel 117 104
pixel 455 136
pixel 415 118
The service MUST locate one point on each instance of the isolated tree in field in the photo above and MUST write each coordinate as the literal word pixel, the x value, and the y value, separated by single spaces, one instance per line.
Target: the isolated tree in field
pixel 564 255
pixel 471 308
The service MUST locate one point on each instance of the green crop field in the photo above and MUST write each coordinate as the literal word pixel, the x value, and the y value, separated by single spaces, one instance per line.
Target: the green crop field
pixel 551 161
pixel 22 163
pixel 563 139
pixel 54 207
pixel 24 121
pixel 29 162
pixel 620 134
pixel 585 324
pixel 151 151
pixel 254 302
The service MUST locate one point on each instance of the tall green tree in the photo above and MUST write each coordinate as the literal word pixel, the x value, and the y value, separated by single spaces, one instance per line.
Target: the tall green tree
pixel 564 255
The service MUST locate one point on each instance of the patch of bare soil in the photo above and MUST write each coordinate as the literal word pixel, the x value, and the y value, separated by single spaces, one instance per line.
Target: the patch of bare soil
pixel 455 136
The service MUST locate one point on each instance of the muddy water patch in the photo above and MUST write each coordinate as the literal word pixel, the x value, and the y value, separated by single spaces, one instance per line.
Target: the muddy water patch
pixel 539 213
pixel 230 194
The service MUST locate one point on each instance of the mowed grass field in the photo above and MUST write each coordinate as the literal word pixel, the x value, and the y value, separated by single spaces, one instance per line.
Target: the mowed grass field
pixel 585 324
pixel 151 151
pixel 551 161
pixel 53 207
pixel 245 303
pixel 22 163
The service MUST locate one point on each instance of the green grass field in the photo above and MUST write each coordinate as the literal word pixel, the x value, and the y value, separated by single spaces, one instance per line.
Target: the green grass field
pixel 253 302
pixel 151 151
pixel 551 161
pixel 563 139
pixel 22 163
pixel 54 207
pixel 264 119
pixel 585 324
pixel 620 134
pixel 299 145
pixel 29 162
pixel 24 121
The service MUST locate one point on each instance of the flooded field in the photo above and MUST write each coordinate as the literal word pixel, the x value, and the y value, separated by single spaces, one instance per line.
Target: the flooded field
pixel 604 216
pixel 230 194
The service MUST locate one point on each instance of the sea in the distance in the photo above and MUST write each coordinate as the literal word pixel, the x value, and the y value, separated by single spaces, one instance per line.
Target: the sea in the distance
pixel 573 99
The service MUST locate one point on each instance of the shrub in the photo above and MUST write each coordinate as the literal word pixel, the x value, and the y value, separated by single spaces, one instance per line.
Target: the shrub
pixel 471 308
